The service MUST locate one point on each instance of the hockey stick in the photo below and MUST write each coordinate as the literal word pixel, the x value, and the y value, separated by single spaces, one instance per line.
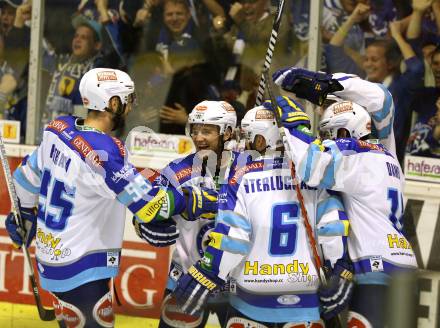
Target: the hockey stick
pixel 336 321
pixel 269 52
pixel 306 221
pixel 45 314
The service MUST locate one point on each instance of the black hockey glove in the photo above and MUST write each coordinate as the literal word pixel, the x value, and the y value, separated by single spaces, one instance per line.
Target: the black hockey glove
pixel 157 233
pixel 194 288
pixel 312 86
pixel 201 203
pixel 336 294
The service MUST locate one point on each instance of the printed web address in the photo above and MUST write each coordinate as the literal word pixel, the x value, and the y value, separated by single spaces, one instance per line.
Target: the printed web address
pixel 263 280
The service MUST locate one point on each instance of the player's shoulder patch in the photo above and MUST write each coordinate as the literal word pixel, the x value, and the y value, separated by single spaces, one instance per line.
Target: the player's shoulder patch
pixel 239 172
pixel 86 150
pixel 184 169
pixel 120 146
pixel 60 124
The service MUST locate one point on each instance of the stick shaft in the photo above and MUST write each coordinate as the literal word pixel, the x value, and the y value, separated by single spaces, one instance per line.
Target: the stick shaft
pixel 269 53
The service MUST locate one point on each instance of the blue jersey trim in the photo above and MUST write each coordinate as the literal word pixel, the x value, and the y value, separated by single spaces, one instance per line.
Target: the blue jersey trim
pixel 345 78
pixel 87 262
pixel 234 220
pixel 267 314
pixel 382 114
pixel 235 246
pixel 24 182
pixel 372 278
pixel 385 131
pixel 33 163
pixel 327 205
pixel 83 277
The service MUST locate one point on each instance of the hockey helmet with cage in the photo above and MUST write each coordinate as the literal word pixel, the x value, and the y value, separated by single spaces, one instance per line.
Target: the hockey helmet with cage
pixel 345 115
pixel 260 121
pixel 99 85
pixel 219 113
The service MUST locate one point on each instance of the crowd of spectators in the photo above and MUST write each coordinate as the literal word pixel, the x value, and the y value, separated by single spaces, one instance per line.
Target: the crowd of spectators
pixel 183 51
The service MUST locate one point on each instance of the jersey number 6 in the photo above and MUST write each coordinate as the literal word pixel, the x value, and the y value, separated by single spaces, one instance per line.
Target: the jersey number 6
pixel 284 229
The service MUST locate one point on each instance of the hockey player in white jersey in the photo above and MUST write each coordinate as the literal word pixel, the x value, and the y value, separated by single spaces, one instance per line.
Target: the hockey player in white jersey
pixel 260 242
pixel 210 124
pixel 371 182
pixel 81 182
pixel 374 97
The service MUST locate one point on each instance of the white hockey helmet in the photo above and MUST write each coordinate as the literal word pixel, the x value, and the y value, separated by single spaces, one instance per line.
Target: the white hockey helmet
pixel 219 113
pixel 99 85
pixel 261 121
pixel 345 115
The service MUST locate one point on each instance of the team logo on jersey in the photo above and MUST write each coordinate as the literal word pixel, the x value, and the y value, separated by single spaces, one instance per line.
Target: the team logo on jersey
pixel 106 76
pixel 112 259
pixel 203 238
pixel 376 264
pixel 103 311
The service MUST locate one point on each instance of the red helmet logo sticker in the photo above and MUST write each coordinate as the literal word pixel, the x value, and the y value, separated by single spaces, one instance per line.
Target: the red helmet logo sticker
pixel 106 76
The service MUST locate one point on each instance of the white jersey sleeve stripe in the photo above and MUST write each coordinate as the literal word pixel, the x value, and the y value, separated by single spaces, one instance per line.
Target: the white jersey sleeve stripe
pixel 23 181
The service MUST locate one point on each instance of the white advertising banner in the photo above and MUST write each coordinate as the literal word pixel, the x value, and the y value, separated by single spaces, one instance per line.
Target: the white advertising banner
pixel 422 169
pixel 151 143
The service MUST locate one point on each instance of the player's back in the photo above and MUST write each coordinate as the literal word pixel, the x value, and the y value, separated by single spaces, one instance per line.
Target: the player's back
pixel 372 191
pixel 277 274
pixel 79 218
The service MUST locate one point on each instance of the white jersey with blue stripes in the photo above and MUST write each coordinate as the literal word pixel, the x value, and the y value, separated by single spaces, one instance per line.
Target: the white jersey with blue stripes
pixel 260 242
pixel 377 100
pixel 81 181
pixel 193 235
pixel 371 184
